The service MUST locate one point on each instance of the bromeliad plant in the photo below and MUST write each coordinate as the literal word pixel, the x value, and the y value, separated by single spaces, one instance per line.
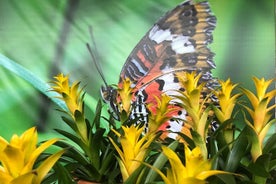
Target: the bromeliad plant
pixel 240 150
pixel 18 158
pixel 127 155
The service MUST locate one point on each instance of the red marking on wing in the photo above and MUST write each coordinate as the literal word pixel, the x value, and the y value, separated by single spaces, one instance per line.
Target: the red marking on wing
pixel 143 59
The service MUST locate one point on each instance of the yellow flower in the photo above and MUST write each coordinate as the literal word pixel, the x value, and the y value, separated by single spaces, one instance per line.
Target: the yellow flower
pixel 195 171
pixel 71 94
pixel 192 100
pixel 18 157
pixel 227 101
pixel 125 98
pixel 134 149
pixel 260 113
pixel 73 98
pixel 161 111
pixel 194 103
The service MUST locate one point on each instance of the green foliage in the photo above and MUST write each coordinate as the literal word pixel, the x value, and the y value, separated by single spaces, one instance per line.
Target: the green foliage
pixel 96 160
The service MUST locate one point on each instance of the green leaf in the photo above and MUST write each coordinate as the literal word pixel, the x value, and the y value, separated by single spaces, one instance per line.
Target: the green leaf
pixel 270 143
pixel 96 122
pixel 94 149
pixel 31 78
pixel 63 175
pixel 107 162
pixel 261 166
pixel 226 178
pixel 73 153
pixel 238 150
pixel 159 163
pixel 70 123
pixel 134 177
pixel 72 137
pixel 272 165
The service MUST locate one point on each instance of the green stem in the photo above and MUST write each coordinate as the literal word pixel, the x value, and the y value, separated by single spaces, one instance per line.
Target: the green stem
pixel 256 149
pixel 200 142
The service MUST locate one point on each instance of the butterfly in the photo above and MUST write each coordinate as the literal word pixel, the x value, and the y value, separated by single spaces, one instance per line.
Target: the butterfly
pixel 177 42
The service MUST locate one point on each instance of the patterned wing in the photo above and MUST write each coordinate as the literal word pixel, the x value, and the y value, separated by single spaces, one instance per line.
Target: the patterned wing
pixel 177 42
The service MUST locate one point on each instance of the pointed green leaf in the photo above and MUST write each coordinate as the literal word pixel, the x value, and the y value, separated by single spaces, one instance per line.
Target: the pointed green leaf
pixel 239 149
pixel 159 164
pixel 270 143
pixel 33 79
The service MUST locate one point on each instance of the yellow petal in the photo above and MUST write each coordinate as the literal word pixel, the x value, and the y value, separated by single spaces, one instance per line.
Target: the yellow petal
pixel 176 165
pixel 5 178
pixel 37 152
pixel 46 165
pixel 29 141
pixel 123 169
pixel 121 154
pixel 3 143
pixel 26 178
pixel 12 159
pixel 205 174
pixel 192 181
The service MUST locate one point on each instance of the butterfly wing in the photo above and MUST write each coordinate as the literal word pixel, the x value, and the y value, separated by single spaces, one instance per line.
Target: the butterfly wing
pixel 177 42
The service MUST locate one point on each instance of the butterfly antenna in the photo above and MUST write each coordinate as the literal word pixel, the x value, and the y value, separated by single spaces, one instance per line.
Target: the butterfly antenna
pixel 93 56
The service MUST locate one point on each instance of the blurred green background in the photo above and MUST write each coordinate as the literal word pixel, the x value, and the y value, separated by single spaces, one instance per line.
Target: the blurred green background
pixel 48 37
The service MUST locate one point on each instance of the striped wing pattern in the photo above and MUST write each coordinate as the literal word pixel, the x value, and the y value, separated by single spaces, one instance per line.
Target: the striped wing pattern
pixel 177 42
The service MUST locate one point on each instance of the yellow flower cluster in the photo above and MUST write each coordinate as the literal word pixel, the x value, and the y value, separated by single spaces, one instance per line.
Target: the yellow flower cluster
pixel 73 98
pixel 18 158
pixel 260 113
pixel 195 170
pixel 134 148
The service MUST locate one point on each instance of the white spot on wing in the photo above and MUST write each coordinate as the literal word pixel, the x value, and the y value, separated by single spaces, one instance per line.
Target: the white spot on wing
pixel 179 43
pixel 159 35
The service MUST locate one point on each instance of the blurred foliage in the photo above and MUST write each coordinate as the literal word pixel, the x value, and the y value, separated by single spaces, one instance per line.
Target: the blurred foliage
pixel 48 37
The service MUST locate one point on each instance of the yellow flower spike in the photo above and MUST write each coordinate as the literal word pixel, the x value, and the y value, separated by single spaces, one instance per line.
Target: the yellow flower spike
pixel 161 112
pixel 125 94
pixel 193 101
pixel 189 80
pixel 195 171
pixel 134 149
pixel 18 158
pixel 178 171
pixel 73 96
pixel 227 101
pixel 261 87
pixel 260 113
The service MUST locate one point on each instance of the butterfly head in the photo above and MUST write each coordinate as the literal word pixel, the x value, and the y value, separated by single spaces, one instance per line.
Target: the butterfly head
pixel 109 95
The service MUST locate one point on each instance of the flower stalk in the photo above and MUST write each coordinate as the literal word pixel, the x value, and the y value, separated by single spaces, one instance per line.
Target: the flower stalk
pixel 73 96
pixel 194 103
pixel 227 103
pixel 260 113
